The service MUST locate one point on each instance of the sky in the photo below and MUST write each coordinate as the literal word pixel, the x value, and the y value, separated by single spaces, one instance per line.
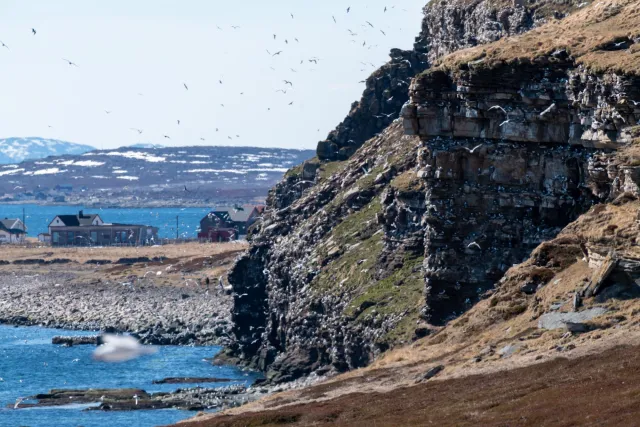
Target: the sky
pixel 134 57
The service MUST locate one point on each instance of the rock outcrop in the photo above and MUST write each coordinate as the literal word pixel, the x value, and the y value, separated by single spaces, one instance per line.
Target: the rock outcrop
pixel 497 149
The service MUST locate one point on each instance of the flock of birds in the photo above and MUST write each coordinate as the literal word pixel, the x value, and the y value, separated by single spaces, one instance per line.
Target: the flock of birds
pixel 282 43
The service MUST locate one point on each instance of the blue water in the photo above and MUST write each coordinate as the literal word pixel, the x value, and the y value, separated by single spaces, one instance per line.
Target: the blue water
pixel 39 217
pixel 30 364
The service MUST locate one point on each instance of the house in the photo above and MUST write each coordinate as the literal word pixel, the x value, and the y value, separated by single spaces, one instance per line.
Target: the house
pixel 44 237
pixel 89 229
pixel 12 230
pixel 228 223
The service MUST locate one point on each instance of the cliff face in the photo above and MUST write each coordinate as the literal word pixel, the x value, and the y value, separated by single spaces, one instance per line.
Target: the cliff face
pixel 446 27
pixel 497 149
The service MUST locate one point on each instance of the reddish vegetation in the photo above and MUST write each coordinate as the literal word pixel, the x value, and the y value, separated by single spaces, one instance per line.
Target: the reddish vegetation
pixel 595 390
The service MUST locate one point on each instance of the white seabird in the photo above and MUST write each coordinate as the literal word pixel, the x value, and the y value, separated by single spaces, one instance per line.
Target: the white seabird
pixel 120 348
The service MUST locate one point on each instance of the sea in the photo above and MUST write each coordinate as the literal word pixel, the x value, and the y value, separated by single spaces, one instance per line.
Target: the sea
pixel 38 217
pixel 30 364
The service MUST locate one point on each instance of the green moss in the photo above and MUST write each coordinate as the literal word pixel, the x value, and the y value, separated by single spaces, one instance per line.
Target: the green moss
pixel 407 182
pixel 295 171
pixel 402 292
pixel 330 168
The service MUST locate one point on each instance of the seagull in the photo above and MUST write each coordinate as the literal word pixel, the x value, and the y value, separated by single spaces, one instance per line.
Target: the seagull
pixel 185 86
pixel 18 402
pixel 137 130
pixel 366 171
pixel 287 82
pixel 548 110
pixel 471 151
pixel 120 348
pixel 135 396
pixel 4 45
pixel 505 122
pixel 497 107
pixel 33 30
pixel 475 245
pixel 70 62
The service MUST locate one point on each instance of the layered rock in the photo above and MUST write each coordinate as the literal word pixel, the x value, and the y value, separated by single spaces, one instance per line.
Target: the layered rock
pixel 500 153
pixel 446 27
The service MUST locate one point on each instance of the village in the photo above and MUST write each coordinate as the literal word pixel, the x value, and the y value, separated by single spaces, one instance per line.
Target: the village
pixel 223 224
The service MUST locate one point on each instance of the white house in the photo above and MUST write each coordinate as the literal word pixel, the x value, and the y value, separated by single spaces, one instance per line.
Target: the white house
pixel 75 220
pixel 12 230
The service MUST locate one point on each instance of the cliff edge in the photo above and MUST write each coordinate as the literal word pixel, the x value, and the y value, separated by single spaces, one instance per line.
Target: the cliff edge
pixel 507 122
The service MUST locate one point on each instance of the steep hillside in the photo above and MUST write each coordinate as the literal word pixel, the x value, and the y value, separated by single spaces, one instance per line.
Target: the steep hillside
pixel 148 176
pixel 15 150
pixel 499 147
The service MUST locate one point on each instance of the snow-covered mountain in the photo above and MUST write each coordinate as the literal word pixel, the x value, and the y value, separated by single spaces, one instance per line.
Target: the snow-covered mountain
pixel 175 176
pixel 15 150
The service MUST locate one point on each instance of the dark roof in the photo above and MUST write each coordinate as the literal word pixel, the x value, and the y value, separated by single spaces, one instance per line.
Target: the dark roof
pixel 8 222
pixel 236 213
pixel 77 220
pixel 10 230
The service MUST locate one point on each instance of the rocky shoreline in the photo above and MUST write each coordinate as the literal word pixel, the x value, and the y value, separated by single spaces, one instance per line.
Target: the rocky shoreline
pixel 157 315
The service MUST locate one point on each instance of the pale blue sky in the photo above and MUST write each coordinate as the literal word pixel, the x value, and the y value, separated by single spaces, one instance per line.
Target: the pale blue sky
pixel 127 47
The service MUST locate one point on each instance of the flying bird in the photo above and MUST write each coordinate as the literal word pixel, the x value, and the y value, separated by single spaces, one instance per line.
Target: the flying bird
pixel 385 8
pixel 473 149
pixel 33 30
pixel 497 107
pixel 370 24
pixel 277 53
pixel 185 86
pixel 475 245
pixel 202 139
pixel 348 9
pixel 274 36
pixel 107 111
pixel 70 62
pixel 334 19
pixel 291 103
pixel 383 32
pixel 178 122
pixel 291 15
pixel 287 82
pixel 235 27
pixel 4 45
pixel 167 136
pixel 137 130
pixel 120 348
pixel 220 81
pixel 282 90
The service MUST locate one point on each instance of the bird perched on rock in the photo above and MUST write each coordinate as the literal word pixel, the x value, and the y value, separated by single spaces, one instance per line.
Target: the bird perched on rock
pixel 120 348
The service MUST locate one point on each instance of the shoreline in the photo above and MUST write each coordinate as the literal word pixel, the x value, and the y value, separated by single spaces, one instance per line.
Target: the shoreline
pixel 157 315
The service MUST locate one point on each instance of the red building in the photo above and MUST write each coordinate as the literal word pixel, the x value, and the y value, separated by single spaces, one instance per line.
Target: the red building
pixel 228 223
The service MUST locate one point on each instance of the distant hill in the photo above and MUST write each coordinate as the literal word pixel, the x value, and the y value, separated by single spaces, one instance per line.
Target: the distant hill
pixel 131 176
pixel 15 150
pixel 146 145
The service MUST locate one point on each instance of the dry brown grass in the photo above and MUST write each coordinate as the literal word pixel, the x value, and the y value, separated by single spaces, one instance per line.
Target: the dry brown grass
pixel 586 35
pixel 83 254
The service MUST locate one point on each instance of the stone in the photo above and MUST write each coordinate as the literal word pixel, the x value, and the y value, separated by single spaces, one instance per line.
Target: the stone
pixel 559 320
pixel 432 372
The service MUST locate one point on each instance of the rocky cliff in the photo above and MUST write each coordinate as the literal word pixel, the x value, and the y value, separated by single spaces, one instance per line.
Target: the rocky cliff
pixel 498 147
